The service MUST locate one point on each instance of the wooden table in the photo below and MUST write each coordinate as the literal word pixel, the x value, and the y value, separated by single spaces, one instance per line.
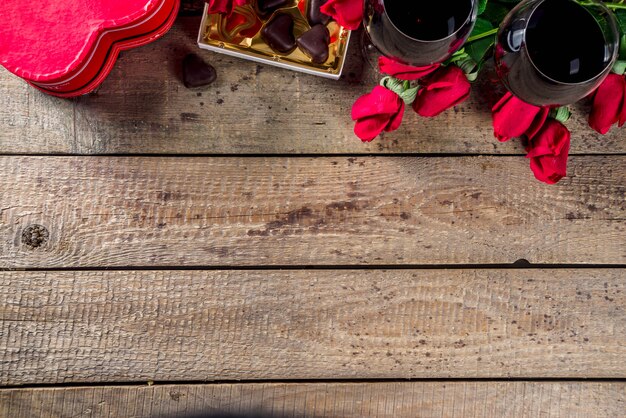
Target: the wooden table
pixel 168 252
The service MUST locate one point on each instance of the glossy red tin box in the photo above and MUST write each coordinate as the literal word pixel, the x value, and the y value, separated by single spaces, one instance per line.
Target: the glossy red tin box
pixel 67 47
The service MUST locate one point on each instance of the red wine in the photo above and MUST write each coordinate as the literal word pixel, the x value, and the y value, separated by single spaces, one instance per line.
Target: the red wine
pixel 565 42
pixel 419 32
pixel 428 20
pixel 555 52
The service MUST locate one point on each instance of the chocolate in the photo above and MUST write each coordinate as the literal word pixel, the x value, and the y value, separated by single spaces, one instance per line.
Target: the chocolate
pixel 314 43
pixel 278 33
pixel 314 15
pixel 197 73
pixel 266 7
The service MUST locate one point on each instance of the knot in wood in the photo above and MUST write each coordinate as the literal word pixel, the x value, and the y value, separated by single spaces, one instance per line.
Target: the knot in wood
pixel 34 236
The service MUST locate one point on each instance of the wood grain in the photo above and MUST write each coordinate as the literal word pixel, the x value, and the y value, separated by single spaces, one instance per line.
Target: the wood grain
pixel 252 109
pixel 31 122
pixel 341 400
pixel 125 326
pixel 171 212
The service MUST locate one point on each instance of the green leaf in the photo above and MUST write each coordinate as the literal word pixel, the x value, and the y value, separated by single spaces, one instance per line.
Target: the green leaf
pixel 495 12
pixel 478 50
pixel 621 19
pixel 481 26
pixel 482 5
pixel 622 48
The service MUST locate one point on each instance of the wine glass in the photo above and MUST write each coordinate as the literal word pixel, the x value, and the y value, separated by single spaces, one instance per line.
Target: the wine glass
pixel 555 52
pixel 419 32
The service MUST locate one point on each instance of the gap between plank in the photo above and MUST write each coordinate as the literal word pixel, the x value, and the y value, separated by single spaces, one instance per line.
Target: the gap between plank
pixel 283 155
pixel 310 381
pixel 518 265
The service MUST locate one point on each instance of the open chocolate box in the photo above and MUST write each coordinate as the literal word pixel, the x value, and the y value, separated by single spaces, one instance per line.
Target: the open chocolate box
pixel 251 29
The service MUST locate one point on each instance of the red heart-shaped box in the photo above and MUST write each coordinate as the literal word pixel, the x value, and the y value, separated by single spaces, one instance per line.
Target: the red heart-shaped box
pixel 67 47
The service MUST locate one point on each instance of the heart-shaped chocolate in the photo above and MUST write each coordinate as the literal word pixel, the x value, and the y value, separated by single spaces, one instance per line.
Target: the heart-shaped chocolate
pixel 197 73
pixel 278 33
pixel 314 43
pixel 314 14
pixel 266 7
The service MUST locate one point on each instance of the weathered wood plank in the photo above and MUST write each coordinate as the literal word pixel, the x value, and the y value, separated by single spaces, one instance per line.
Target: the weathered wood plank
pixel 341 400
pixel 252 109
pixel 141 211
pixel 135 326
pixel 31 122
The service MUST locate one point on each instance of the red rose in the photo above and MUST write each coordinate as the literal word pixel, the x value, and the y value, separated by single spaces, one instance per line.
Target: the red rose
pixel 224 6
pixel 403 71
pixel 443 89
pixel 348 13
pixel 380 110
pixel 548 152
pixel 513 118
pixel 609 104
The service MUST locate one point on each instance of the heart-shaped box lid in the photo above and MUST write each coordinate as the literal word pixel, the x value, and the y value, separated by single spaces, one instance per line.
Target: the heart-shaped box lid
pixel 44 44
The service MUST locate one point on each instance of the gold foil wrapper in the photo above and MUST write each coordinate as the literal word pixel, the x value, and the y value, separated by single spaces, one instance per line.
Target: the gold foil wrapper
pixel 240 35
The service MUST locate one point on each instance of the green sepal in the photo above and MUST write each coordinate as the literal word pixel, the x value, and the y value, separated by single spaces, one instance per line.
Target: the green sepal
pixel 562 114
pixel 619 67
pixel 402 88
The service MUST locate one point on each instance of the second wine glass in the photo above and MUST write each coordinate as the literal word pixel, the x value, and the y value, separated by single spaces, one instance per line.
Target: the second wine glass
pixel 555 52
pixel 419 32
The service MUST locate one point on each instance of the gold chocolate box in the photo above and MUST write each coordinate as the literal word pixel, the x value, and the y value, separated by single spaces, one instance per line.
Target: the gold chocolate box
pixel 239 35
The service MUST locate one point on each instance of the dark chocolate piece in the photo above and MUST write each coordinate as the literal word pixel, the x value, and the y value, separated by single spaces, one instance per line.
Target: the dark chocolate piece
pixel 314 15
pixel 278 33
pixel 266 7
pixel 197 73
pixel 314 43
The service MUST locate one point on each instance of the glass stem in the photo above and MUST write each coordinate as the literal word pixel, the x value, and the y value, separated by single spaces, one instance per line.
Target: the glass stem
pixel 612 6
pixel 482 35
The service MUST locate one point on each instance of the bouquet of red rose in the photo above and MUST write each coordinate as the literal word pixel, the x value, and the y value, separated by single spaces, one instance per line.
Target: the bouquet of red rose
pixel 432 89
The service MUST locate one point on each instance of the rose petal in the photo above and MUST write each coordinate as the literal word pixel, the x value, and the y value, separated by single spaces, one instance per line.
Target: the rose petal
pixel 379 110
pixel 224 6
pixel 396 120
pixel 513 118
pixel 622 118
pixel 379 101
pixel 538 121
pixel 403 71
pixel 348 13
pixel 502 102
pixel 369 128
pixel 442 90
pixel 548 152
pixel 608 102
